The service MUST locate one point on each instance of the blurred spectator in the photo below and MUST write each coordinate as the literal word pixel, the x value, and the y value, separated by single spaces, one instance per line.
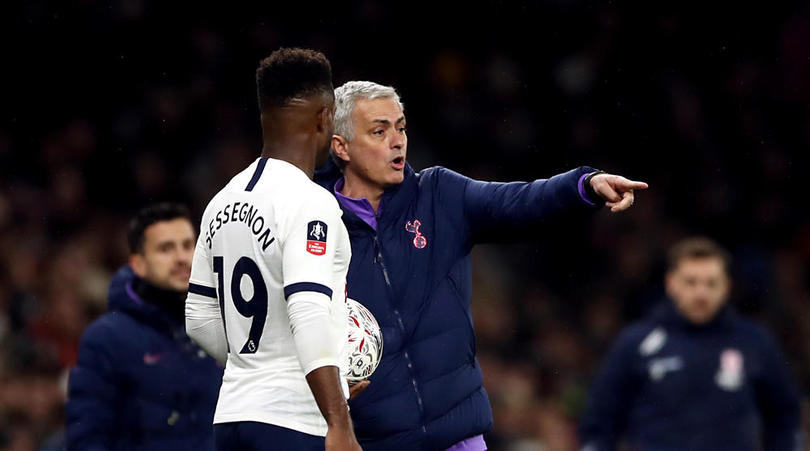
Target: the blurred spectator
pixel 140 382
pixel 694 375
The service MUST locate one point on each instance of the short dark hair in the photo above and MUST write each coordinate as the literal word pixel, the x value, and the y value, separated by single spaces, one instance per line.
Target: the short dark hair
pixel 164 211
pixel 292 72
pixel 695 248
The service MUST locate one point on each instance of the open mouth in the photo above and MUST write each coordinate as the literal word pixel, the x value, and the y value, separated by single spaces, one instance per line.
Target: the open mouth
pixel 398 162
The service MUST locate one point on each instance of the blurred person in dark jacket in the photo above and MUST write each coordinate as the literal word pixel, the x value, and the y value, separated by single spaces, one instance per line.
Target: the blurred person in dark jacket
pixel 694 375
pixel 411 236
pixel 140 382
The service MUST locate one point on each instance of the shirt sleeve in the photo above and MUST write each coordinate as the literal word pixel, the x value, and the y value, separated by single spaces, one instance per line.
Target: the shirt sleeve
pixel 309 240
pixel 204 322
pixel 494 209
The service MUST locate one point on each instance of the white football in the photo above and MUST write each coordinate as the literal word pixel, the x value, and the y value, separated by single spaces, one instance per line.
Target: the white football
pixel 365 342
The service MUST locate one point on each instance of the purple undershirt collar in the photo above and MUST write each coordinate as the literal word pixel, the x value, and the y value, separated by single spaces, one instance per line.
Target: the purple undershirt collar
pixel 361 207
pixel 132 294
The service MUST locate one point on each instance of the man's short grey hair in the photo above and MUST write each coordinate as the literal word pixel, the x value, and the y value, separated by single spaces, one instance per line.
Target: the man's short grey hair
pixel 348 94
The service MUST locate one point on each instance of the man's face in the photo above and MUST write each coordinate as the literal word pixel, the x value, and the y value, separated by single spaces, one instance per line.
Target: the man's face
pixel 376 155
pixel 699 287
pixel 165 260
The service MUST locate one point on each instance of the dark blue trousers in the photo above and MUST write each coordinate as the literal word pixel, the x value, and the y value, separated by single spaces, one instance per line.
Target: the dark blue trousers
pixel 253 436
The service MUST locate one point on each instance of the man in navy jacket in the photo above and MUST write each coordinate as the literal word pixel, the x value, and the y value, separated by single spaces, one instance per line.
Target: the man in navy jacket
pixel 411 236
pixel 694 375
pixel 140 382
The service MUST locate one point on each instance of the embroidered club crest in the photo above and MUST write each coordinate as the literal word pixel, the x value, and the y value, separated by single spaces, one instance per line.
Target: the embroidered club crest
pixel 419 240
pixel 152 358
pixel 730 375
pixel 316 237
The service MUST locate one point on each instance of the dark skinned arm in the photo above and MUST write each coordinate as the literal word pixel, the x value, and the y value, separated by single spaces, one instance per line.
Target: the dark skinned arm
pixel 325 384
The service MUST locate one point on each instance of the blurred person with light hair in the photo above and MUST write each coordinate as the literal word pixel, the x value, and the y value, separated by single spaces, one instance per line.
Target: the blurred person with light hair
pixel 694 375
pixel 411 235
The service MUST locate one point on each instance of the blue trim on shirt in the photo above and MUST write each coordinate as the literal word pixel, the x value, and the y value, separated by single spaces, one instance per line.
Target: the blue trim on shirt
pixel 202 290
pixel 289 290
pixel 257 173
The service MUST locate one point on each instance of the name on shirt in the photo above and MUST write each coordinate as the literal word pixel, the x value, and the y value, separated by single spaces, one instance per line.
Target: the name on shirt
pixel 240 212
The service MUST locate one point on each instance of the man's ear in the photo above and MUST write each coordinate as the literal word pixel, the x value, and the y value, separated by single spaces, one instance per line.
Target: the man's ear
pixel 325 119
pixel 138 264
pixel 669 283
pixel 341 147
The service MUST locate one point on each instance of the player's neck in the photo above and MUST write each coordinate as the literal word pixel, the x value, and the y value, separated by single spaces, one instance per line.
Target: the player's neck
pixel 298 152
pixel 359 189
pixel 287 134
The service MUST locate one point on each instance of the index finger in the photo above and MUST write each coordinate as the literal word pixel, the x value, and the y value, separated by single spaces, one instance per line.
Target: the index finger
pixel 630 184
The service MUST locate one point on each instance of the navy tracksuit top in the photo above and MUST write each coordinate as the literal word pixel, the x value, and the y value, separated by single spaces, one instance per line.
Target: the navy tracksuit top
pixel 670 385
pixel 140 383
pixel 414 275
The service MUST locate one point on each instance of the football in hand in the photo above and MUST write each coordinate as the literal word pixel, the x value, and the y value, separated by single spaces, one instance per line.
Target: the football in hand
pixel 365 342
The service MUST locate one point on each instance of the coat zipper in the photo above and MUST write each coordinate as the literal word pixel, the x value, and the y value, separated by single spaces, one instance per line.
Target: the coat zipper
pixel 378 259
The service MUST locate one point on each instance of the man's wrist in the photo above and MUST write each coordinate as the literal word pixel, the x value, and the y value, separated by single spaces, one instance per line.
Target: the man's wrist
pixel 586 191
pixel 339 417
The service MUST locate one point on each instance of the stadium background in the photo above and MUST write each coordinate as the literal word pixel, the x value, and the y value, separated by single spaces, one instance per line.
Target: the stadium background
pixel 109 105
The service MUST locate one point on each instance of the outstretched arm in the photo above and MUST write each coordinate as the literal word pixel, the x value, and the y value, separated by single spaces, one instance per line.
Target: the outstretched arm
pixel 494 209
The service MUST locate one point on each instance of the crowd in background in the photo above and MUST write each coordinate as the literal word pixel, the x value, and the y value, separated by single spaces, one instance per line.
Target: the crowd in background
pixel 112 105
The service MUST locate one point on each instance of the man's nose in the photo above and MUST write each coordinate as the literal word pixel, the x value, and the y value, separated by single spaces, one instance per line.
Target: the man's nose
pixel 185 256
pixel 397 142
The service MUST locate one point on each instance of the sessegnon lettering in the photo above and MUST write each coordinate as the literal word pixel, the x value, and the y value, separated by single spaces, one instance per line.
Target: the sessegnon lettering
pixel 240 212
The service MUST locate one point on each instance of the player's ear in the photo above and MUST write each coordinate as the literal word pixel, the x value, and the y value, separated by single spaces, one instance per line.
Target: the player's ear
pixel 340 147
pixel 138 265
pixel 325 119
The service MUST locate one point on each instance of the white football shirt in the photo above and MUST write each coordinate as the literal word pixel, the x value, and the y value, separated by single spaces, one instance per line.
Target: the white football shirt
pixel 270 236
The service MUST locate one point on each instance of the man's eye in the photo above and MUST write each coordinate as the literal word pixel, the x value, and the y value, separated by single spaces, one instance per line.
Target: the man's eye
pixel 402 129
pixel 378 132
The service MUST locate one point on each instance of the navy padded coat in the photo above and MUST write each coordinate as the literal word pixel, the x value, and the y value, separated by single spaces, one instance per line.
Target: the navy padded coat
pixel 140 383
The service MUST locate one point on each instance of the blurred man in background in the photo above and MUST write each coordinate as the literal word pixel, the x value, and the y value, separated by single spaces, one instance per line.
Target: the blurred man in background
pixel 694 375
pixel 140 382
pixel 411 237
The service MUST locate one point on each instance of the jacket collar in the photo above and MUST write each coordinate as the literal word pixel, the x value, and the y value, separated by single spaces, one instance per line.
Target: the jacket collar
pixel 124 297
pixel 395 199
pixel 669 314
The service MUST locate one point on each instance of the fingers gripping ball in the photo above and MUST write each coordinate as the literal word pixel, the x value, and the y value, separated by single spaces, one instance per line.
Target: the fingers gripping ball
pixel 365 342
